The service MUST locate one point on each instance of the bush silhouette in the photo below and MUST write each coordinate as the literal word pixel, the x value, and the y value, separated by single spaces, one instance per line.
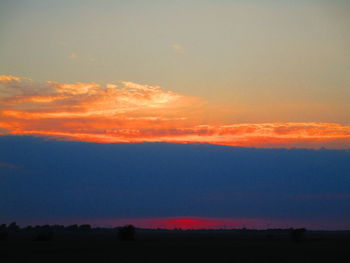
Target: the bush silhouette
pixel 296 235
pixel 126 233
pixel 85 227
pixel 72 227
pixel 45 233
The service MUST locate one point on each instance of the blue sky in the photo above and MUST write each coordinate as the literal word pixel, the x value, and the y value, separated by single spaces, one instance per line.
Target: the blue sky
pixel 56 182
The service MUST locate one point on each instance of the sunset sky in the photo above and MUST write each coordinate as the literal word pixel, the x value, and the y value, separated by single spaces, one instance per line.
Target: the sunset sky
pixel 261 74
pixel 246 73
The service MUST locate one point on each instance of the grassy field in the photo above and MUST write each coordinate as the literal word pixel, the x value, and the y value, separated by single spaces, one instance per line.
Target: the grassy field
pixel 103 245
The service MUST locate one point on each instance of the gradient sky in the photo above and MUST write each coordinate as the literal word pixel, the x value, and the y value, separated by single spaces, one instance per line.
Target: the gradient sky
pixel 263 74
pixel 172 185
pixel 215 63
pixel 269 60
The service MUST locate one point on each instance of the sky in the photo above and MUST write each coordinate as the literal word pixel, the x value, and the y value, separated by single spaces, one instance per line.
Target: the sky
pixel 47 181
pixel 241 73
pixel 256 74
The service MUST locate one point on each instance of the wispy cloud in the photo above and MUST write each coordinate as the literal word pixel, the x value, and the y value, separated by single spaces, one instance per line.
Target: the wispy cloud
pixel 9 166
pixel 177 47
pixel 73 55
pixel 132 112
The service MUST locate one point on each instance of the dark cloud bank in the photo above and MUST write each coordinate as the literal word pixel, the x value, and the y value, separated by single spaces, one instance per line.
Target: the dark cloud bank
pixel 57 180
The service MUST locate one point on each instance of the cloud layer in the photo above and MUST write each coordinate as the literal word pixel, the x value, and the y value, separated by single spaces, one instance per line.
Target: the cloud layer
pixel 131 112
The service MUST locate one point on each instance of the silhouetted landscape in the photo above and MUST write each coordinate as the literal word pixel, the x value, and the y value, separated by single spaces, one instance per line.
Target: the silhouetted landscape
pixel 57 243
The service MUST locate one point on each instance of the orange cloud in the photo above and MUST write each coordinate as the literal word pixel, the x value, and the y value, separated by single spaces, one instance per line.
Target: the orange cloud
pixel 131 112
pixel 9 78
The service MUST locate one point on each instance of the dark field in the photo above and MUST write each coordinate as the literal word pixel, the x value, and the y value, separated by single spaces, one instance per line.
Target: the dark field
pixel 103 245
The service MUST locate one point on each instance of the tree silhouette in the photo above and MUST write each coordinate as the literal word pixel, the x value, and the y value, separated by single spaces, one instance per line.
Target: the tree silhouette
pixel 3 232
pixel 13 226
pixel 126 233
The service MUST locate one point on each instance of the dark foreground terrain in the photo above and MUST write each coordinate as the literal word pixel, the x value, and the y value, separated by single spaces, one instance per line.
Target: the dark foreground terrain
pixel 107 245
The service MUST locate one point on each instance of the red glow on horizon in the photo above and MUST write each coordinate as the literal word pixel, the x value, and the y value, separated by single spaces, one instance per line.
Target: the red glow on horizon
pixel 189 223
pixel 197 223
